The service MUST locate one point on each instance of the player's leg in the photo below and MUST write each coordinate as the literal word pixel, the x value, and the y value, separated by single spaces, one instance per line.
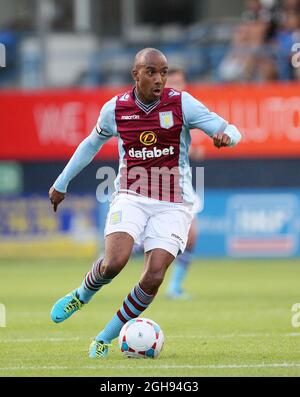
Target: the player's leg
pixel 118 248
pixel 165 234
pixel 182 264
pixel 125 222
pixel 156 263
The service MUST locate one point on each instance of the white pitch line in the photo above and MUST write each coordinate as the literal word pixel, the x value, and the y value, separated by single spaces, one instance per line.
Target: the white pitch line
pixel 221 336
pixel 46 340
pixel 229 336
pixel 164 366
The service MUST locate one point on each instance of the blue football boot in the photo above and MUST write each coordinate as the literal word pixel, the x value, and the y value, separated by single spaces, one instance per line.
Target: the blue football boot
pixel 65 307
pixel 98 349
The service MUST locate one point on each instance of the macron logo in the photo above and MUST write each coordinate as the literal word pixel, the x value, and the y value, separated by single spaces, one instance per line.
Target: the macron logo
pixel 131 117
pixel 177 237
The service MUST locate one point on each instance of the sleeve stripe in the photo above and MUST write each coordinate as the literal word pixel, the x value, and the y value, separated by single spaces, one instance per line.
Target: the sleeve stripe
pixel 102 132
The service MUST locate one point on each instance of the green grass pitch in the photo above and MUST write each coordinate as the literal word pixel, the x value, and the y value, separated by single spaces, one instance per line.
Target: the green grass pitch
pixel 237 324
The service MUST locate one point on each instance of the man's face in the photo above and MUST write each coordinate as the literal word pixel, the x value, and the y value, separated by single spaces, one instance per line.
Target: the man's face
pixel 151 77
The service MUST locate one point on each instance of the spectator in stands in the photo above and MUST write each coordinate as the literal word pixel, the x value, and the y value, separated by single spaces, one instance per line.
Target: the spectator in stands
pixel 291 6
pixel 250 57
pixel 287 35
pixel 10 39
pixel 255 10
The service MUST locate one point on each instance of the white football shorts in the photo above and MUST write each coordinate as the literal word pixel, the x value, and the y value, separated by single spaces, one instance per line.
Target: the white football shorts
pixel 153 223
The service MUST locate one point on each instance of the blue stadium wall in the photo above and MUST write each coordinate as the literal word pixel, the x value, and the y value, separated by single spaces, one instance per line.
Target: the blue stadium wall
pixel 251 207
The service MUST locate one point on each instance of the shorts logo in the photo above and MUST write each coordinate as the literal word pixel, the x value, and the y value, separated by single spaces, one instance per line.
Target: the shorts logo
pixel 177 237
pixel 115 217
pixel 148 138
pixel 166 119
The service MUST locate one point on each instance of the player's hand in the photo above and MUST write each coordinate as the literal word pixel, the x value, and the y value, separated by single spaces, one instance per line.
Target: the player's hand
pixel 55 197
pixel 221 139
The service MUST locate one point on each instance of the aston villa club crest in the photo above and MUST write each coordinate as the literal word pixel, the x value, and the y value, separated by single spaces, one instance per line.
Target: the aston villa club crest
pixel 166 119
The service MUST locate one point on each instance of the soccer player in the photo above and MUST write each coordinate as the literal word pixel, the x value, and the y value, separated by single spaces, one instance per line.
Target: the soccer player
pixel 177 79
pixel 152 124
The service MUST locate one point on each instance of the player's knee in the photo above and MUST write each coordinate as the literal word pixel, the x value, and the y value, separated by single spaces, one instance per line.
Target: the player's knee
pixel 111 267
pixel 153 280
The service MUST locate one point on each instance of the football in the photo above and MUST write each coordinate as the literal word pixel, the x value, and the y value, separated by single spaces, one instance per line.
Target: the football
pixel 141 338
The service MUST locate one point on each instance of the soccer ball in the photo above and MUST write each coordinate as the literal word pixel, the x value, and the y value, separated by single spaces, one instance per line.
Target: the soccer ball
pixel 141 338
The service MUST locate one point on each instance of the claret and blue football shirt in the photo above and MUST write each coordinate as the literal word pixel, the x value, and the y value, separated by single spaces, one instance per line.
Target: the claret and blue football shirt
pixel 153 143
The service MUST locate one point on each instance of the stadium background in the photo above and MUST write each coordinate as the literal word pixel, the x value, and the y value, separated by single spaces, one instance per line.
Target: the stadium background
pixel 64 59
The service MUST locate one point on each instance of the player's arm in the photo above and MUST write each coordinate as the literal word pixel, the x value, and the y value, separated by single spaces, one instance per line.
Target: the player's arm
pixel 84 154
pixel 196 115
